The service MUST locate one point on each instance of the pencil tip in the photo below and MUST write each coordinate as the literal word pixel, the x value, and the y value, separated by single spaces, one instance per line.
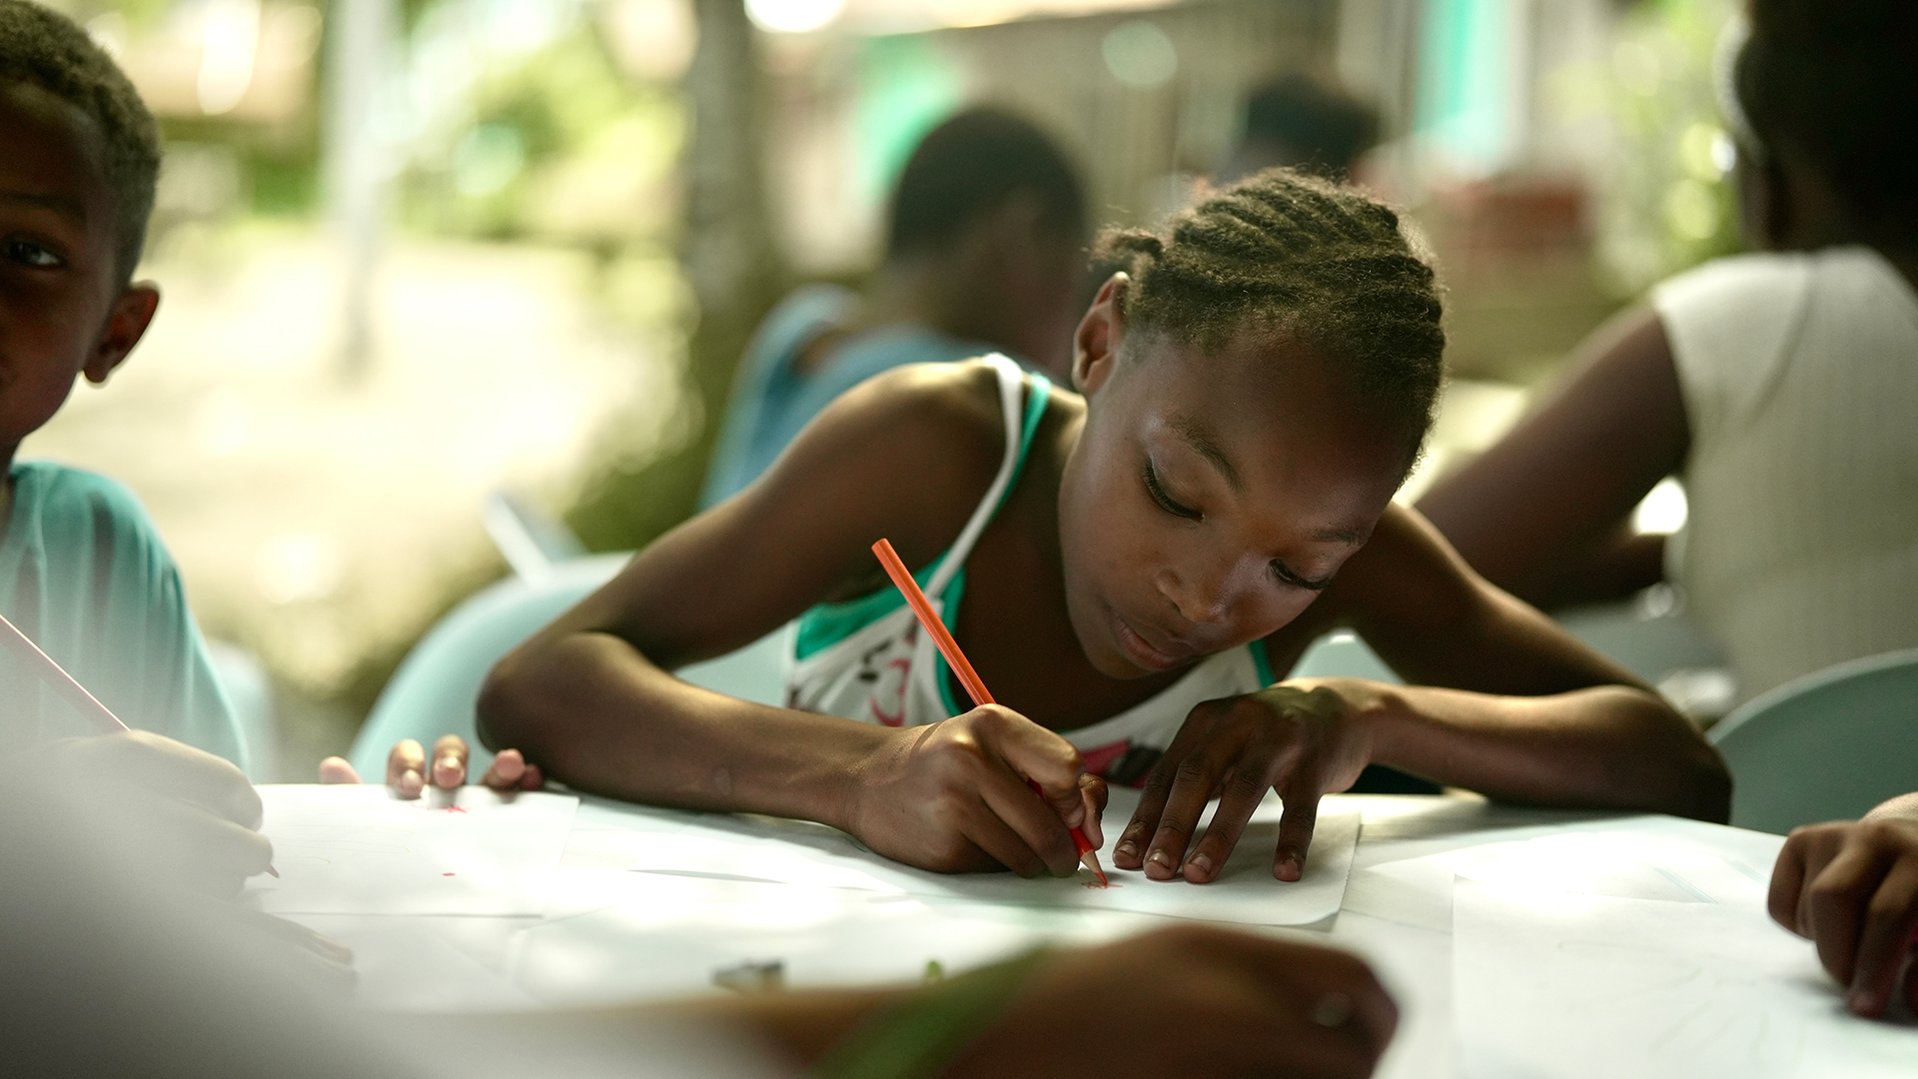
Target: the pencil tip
pixel 1090 859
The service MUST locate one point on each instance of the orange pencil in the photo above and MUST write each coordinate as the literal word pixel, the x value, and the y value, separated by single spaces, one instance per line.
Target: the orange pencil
pixel 64 684
pixel 949 648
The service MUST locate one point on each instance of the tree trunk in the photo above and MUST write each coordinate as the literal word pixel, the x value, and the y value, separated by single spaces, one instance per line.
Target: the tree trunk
pixel 732 263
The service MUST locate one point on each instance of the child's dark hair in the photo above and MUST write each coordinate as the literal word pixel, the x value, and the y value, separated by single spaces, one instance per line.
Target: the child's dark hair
pixel 1837 83
pixel 44 48
pixel 1318 126
pixel 969 165
pixel 1285 255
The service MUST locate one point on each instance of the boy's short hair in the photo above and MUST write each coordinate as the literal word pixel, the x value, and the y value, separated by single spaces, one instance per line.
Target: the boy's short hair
pixel 1837 84
pixel 968 166
pixel 43 48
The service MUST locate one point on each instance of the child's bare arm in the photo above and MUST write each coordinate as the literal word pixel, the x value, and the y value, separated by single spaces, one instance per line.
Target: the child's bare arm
pixel 1511 706
pixel 1525 711
pixel 1540 512
pixel 592 699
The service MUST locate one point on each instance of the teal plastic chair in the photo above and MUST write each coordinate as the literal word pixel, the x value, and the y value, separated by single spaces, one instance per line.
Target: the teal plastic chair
pixel 1827 746
pixel 435 689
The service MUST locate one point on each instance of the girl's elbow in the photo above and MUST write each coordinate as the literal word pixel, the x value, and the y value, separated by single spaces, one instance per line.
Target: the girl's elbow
pixel 1711 787
pixel 504 706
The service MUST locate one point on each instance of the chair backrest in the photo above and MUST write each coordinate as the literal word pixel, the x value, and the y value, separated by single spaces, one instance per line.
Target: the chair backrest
pixel 1827 746
pixel 435 689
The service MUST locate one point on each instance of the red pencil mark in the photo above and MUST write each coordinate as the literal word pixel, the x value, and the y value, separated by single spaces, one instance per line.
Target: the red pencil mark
pixel 446 874
pixel 1095 885
pixel 454 809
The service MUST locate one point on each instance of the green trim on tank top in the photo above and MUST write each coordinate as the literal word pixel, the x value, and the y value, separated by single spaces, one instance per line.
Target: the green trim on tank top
pixel 827 624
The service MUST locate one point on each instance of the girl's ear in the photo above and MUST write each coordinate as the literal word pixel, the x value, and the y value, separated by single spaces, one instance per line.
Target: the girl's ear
pixel 127 322
pixel 1095 345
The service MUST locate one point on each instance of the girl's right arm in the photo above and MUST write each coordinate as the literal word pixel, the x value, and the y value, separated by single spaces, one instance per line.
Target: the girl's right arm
pixel 593 700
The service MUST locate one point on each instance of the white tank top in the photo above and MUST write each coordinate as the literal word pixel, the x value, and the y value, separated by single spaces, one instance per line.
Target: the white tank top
pixel 1800 380
pixel 866 659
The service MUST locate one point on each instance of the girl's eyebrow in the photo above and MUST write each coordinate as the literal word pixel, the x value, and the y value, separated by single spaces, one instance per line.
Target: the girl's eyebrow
pixel 1196 436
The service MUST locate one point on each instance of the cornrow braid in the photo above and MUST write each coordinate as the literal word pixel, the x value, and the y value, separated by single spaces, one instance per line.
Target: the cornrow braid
pixel 1283 254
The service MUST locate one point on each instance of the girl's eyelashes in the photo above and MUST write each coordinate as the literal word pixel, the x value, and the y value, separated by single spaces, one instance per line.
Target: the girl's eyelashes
pixel 1285 576
pixel 1166 502
pixel 28 253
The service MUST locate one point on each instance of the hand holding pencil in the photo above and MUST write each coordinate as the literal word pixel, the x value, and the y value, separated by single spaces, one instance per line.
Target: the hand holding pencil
pixel 1046 761
pixel 171 811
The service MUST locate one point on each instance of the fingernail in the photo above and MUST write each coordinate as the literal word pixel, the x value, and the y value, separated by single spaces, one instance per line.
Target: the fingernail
pixel 1126 849
pixel 1863 1002
pixel 1161 859
pixel 1200 864
pixel 1289 867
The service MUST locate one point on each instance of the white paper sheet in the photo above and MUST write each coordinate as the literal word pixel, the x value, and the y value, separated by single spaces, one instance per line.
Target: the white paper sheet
pixel 660 935
pixel 758 850
pixel 1553 984
pixel 358 850
pixel 1606 861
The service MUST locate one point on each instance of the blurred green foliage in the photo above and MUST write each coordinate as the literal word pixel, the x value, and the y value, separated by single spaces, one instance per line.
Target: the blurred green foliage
pixel 558 145
pixel 1663 204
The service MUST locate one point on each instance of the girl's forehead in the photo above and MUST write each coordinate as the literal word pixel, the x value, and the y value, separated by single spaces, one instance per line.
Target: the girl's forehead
pixel 1266 407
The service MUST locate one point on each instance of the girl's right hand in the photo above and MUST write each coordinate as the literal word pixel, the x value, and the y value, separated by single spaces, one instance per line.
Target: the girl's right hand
pixel 952 796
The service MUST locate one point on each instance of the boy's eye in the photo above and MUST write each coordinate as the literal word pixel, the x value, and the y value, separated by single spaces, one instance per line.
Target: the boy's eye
pixel 28 253
pixel 1165 501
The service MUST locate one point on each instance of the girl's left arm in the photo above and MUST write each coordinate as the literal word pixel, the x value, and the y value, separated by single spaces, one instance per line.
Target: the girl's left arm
pixel 1501 699
pixel 1511 705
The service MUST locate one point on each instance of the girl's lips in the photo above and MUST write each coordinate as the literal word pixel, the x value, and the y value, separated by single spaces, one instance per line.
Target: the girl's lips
pixel 1140 651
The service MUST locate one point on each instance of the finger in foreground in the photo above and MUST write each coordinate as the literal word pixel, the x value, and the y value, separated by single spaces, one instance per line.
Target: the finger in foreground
pixel 505 772
pixel 1296 825
pixel 1239 799
pixel 406 768
pixel 1032 828
pixel 338 770
pixel 1788 884
pixel 449 762
pixel 1194 782
pixel 1885 945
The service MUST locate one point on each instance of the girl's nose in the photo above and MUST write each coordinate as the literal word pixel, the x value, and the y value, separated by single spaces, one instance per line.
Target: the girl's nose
pixel 1201 597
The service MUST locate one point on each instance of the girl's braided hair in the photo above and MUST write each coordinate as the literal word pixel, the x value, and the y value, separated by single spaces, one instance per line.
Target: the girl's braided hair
pixel 1285 255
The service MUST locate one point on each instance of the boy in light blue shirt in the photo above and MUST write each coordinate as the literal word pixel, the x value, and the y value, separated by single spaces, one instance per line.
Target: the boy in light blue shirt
pixel 82 570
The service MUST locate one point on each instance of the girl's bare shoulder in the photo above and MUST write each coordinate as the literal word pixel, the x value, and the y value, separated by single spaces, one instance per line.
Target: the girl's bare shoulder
pixel 918 445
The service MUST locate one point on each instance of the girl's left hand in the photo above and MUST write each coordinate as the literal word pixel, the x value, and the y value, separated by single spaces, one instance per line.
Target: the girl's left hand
pixel 1303 738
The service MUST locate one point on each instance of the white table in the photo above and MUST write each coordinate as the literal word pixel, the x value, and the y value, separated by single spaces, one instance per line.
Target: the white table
pixel 612 934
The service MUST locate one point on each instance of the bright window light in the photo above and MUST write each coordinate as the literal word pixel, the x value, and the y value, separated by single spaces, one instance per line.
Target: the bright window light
pixel 793 16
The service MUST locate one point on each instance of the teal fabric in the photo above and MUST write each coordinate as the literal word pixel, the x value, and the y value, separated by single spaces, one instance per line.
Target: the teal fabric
pixel 829 623
pixel 771 402
pixel 84 574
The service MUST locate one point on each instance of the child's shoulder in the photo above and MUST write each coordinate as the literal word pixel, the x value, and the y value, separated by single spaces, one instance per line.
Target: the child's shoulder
pixel 66 506
pixel 951 407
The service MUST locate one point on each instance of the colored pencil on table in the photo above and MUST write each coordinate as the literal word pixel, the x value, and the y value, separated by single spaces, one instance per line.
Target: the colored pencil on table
pixel 65 685
pixel 949 648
